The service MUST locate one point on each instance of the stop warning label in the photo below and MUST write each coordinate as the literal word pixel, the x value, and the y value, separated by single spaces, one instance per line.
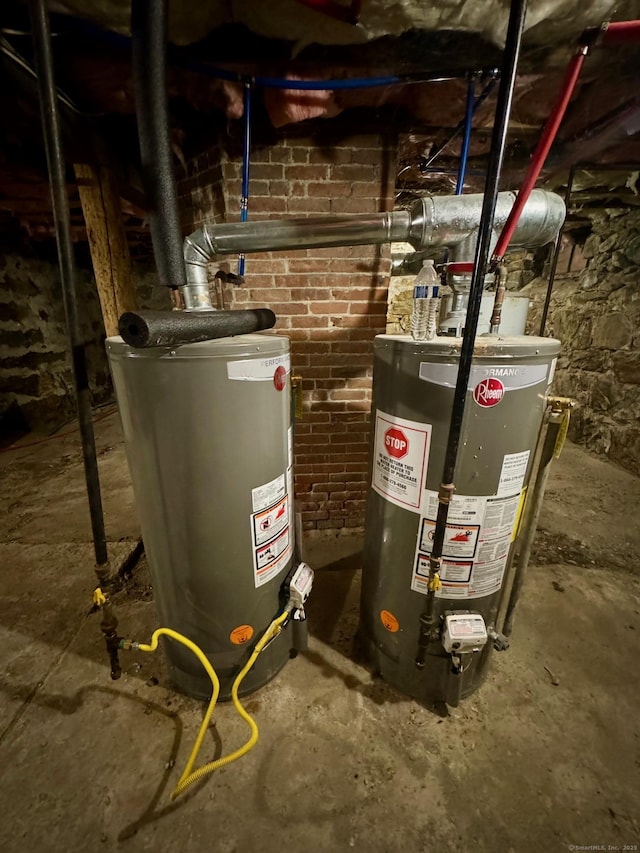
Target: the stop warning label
pixel 396 443
pixel 401 453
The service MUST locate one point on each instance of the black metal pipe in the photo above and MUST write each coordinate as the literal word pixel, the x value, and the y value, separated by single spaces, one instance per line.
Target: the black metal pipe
pixel 60 202
pixel 149 36
pixel 172 328
pixel 503 109
pixel 556 252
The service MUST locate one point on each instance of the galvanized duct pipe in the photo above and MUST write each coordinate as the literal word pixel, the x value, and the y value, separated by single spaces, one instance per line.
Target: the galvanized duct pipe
pixel 432 221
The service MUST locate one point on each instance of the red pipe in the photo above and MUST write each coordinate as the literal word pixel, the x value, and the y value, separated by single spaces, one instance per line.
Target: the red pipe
pixel 540 154
pixel 460 268
pixel 622 32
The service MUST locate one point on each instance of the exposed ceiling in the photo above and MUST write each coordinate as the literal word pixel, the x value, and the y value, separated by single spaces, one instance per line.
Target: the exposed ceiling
pixel 334 39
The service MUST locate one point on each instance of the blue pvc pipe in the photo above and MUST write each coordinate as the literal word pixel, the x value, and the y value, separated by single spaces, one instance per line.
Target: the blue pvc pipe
pixel 246 161
pixel 318 85
pixel 335 85
pixel 466 138
pixel 478 102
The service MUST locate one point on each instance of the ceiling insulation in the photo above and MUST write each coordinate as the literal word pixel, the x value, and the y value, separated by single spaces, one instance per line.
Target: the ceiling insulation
pixel 548 22
pixel 287 39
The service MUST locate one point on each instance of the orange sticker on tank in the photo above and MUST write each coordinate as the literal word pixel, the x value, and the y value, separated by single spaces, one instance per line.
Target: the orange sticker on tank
pixel 389 621
pixel 240 635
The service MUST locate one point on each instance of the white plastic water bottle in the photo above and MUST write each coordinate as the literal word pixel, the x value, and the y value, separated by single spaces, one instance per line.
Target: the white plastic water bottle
pixel 424 319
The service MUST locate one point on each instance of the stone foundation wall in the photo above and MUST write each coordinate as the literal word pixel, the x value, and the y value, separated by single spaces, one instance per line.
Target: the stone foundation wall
pixel 595 312
pixel 36 383
pixel 35 372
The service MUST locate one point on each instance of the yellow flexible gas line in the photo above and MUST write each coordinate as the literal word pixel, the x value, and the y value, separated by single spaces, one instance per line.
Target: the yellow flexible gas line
pixel 188 777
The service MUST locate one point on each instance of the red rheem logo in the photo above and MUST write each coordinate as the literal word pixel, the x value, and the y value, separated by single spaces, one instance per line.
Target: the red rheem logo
pixel 488 392
pixel 280 378
pixel 396 443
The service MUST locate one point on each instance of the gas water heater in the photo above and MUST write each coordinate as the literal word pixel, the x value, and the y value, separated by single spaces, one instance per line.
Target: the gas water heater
pixel 208 437
pixel 413 387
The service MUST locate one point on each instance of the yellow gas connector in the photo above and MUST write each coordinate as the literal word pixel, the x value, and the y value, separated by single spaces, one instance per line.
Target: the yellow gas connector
pixel 435 583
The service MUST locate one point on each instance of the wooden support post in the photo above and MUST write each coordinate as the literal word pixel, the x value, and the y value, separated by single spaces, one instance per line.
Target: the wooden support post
pixel 108 243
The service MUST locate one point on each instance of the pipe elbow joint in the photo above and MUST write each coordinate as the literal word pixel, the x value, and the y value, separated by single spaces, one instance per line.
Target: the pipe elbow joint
pixel 541 219
pixel 197 248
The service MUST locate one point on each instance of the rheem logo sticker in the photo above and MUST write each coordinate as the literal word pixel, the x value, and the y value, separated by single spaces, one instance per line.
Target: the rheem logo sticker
pixel 396 443
pixel 280 378
pixel 488 392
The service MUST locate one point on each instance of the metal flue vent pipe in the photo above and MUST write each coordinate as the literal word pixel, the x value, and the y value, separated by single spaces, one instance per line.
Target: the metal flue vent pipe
pixel 432 221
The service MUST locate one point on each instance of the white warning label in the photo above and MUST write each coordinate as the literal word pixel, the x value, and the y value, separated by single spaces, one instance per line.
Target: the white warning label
pixel 266 495
pixel 514 467
pixel 272 557
pixel 271 528
pixel 401 453
pixel 476 545
pixel 268 523
pixel 463 509
pixel 460 540
pixel 493 549
pixel 499 517
pixel 486 578
pixel 455 576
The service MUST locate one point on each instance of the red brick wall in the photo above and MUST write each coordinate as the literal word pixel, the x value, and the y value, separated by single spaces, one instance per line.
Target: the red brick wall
pixel 329 302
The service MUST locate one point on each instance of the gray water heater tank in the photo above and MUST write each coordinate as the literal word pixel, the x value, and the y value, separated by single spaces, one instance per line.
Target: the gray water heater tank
pixel 413 388
pixel 208 437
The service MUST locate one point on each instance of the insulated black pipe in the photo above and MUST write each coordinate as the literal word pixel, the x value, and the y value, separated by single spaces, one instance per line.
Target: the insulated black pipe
pixel 498 141
pixel 60 202
pixel 556 253
pixel 149 37
pixel 172 328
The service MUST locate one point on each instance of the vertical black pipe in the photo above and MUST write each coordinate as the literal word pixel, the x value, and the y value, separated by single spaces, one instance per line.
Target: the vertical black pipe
pixel 60 201
pixel 149 38
pixel 556 253
pixel 498 141
pixel 246 166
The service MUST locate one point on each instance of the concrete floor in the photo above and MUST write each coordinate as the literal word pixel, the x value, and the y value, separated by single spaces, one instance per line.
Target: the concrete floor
pixel 343 762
